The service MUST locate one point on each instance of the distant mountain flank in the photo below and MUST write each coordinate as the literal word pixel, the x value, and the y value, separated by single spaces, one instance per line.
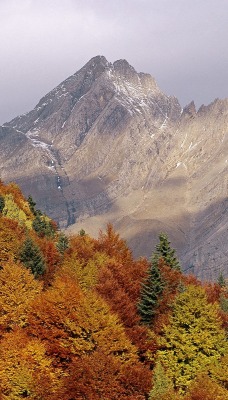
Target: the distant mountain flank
pixel 107 145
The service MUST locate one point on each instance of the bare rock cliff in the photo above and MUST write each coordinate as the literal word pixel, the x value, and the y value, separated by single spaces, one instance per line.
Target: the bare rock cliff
pixel 108 145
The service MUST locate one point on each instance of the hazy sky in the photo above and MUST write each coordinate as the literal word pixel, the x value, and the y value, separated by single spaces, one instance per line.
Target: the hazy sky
pixel 182 43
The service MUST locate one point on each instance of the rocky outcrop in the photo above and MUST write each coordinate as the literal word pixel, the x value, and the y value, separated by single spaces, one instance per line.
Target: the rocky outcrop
pixel 108 145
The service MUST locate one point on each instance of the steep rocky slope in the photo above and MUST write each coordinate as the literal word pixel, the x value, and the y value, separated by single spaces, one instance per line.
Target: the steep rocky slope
pixel 108 145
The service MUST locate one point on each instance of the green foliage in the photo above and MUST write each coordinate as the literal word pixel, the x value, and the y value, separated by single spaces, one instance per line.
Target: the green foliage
pixel 152 288
pixel 224 303
pixel 82 232
pixel 13 211
pixel 150 294
pixel 221 280
pixel 162 384
pixel 85 330
pixel 63 243
pixel 30 255
pixel 166 252
pixel 32 204
pixel 42 226
pixel 2 203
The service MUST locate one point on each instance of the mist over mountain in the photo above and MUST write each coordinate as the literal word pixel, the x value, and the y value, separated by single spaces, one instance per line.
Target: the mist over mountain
pixel 107 145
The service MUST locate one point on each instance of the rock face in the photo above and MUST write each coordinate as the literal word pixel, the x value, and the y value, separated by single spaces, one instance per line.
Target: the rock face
pixel 108 145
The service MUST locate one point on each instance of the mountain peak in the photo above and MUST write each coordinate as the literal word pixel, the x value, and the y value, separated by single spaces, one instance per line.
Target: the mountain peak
pixel 107 141
pixel 97 60
pixel 190 109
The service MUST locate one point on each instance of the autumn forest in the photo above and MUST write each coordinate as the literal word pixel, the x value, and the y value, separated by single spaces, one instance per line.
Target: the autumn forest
pixel 80 319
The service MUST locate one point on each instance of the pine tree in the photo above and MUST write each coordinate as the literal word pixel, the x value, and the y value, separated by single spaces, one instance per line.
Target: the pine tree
pixel 221 280
pixel 32 204
pixel 30 255
pixel 152 288
pixel 151 291
pixel 63 243
pixel 166 252
pixel 43 226
pixel 2 203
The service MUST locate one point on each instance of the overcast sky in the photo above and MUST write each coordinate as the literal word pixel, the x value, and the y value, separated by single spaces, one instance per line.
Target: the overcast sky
pixel 181 43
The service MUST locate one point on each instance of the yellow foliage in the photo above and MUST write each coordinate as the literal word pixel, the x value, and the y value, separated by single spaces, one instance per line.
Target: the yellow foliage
pixel 11 210
pixel 86 272
pixel 18 288
pixel 25 370
pixel 193 340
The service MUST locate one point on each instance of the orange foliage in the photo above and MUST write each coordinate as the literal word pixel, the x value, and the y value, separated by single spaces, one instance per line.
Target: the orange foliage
pixel 51 256
pixel 100 376
pixel 72 324
pixel 25 370
pixel 204 388
pixel 81 337
pixel 119 283
pixel 83 246
pixel 11 237
pixel 111 244
pixel 214 294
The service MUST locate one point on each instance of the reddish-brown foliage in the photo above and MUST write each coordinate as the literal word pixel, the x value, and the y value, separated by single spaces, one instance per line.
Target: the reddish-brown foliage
pixel 100 376
pixel 83 246
pixel 204 388
pixel 51 256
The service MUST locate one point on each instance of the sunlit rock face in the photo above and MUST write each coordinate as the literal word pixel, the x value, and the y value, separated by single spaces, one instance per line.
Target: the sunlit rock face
pixel 107 145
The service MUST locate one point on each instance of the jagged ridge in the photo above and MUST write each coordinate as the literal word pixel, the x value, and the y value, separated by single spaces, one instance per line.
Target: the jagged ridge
pixel 107 142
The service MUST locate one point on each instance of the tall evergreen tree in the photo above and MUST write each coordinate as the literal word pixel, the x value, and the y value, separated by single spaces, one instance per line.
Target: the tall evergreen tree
pixel 221 280
pixel 63 243
pixel 2 203
pixel 42 226
pixel 166 252
pixel 152 288
pixel 32 204
pixel 30 255
pixel 151 291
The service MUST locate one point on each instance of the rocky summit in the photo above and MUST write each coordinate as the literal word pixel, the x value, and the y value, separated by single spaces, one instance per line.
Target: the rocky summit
pixel 107 145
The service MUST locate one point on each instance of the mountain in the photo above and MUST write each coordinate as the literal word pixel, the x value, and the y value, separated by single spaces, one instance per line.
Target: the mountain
pixel 108 145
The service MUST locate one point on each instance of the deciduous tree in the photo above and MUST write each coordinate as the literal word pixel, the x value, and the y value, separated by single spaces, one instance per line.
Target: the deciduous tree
pixel 193 339
pixel 25 369
pixel 17 291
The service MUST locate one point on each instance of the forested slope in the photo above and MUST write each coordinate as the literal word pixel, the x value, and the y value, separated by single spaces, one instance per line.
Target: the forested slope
pixel 81 319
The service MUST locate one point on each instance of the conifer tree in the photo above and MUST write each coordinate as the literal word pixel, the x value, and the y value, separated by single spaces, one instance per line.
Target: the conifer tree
pixel 2 203
pixel 152 288
pixel 32 204
pixel 151 291
pixel 30 255
pixel 166 252
pixel 221 280
pixel 63 243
